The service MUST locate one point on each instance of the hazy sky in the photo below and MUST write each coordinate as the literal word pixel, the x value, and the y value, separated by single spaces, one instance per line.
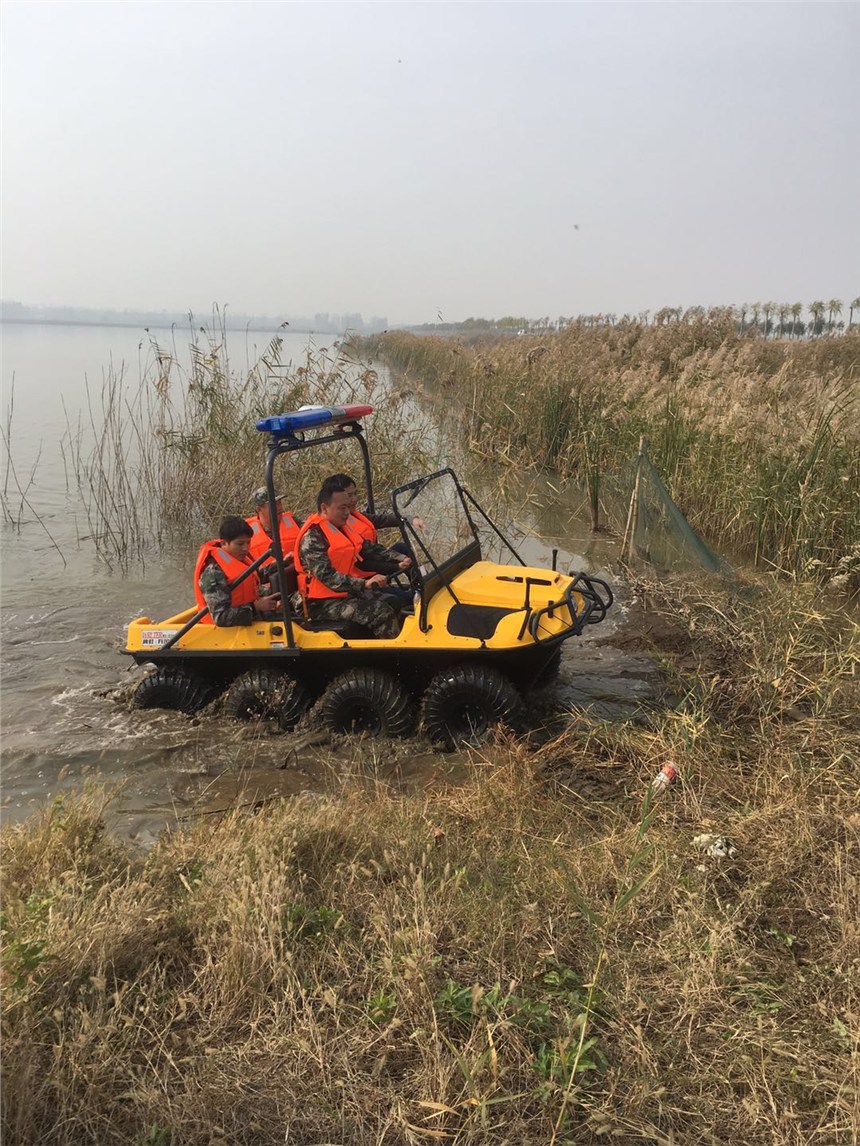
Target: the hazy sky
pixel 411 159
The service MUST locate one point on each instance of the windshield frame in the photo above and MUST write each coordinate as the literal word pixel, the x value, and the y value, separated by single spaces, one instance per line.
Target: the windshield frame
pixel 465 555
pixel 440 573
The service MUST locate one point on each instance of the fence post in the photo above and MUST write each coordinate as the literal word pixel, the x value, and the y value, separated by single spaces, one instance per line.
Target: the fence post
pixel 633 510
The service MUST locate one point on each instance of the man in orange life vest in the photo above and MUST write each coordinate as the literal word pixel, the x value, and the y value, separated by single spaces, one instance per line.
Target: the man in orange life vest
pixel 218 565
pixel 332 583
pixel 261 523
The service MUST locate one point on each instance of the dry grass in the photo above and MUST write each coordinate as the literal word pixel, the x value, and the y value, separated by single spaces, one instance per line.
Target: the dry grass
pixel 757 440
pixel 502 962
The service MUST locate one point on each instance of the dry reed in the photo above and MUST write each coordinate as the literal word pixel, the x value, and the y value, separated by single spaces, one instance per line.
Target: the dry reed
pixel 757 440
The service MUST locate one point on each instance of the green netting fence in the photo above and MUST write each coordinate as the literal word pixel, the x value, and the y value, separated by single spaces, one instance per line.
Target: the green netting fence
pixel 656 532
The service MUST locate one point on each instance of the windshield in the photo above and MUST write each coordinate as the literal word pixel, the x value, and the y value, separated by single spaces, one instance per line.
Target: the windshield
pixel 437 501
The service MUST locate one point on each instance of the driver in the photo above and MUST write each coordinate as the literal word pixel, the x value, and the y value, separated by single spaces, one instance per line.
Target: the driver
pixel 332 583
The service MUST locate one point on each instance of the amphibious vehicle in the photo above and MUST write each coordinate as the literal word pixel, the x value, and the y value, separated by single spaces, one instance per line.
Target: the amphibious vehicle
pixel 480 637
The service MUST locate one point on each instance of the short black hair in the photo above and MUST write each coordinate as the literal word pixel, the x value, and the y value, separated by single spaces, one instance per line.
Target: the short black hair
pixel 232 527
pixel 332 485
pixel 345 478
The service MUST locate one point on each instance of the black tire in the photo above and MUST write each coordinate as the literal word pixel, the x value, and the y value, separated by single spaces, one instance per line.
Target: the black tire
pixel 367 701
pixel 175 689
pixel 267 694
pixel 549 673
pixel 462 704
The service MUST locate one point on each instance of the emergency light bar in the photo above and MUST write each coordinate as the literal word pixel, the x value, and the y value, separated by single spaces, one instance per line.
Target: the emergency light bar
pixel 309 417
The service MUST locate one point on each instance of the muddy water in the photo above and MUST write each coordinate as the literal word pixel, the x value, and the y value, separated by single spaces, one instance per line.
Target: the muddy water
pixel 66 719
pixel 65 716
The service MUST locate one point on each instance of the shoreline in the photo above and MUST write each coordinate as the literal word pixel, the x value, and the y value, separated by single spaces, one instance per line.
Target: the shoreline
pixel 147 324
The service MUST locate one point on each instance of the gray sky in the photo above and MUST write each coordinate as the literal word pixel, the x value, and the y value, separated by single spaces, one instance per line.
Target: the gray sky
pixel 408 159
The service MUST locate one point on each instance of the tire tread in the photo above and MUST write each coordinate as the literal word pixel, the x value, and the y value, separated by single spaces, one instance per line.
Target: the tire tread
pixel 472 684
pixel 378 689
pixel 174 689
pixel 267 693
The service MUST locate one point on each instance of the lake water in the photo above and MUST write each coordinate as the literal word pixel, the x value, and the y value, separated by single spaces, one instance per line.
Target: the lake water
pixel 64 611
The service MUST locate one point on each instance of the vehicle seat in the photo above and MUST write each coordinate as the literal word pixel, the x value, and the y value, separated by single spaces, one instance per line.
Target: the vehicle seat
pixel 291 581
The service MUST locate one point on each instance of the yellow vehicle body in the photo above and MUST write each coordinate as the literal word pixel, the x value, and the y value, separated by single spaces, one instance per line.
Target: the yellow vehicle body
pixel 484 584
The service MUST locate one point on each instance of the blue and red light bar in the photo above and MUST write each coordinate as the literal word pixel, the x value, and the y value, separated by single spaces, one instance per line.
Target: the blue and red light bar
pixel 310 417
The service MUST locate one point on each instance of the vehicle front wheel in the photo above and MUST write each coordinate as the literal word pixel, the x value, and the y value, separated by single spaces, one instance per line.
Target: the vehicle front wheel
pixel 267 694
pixel 462 704
pixel 369 701
pixel 175 689
pixel 549 674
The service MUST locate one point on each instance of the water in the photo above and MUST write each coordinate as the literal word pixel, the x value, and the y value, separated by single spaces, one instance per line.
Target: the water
pixel 63 610
pixel 63 616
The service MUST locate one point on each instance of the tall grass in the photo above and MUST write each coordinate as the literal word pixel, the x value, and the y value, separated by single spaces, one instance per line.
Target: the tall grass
pixel 162 458
pixel 756 440
pixel 513 960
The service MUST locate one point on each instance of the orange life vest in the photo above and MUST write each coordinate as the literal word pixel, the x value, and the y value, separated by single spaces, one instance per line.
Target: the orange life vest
pixel 343 548
pixel 261 540
pixel 244 594
pixel 363 526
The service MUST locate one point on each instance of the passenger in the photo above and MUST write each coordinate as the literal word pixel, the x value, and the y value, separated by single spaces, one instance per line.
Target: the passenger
pixel 261 523
pixel 218 565
pixel 368 524
pixel 332 586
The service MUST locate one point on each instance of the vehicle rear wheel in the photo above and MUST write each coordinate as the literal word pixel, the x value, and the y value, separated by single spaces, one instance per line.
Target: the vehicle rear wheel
pixel 267 694
pixel 462 704
pixel 175 689
pixel 369 701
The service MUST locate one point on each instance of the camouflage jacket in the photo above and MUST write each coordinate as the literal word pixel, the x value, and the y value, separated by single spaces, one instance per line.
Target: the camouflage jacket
pixel 315 560
pixel 216 593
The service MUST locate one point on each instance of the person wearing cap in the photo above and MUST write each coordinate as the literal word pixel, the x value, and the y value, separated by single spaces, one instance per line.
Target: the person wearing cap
pixel 261 524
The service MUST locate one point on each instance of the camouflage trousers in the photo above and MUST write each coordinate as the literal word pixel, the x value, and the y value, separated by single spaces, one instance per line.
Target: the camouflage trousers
pixel 379 613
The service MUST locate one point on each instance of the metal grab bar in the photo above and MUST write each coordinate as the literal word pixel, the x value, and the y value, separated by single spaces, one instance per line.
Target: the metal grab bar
pixel 594 609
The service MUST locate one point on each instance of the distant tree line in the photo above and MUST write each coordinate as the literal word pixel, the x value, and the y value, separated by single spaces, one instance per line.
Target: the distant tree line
pixel 769 319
